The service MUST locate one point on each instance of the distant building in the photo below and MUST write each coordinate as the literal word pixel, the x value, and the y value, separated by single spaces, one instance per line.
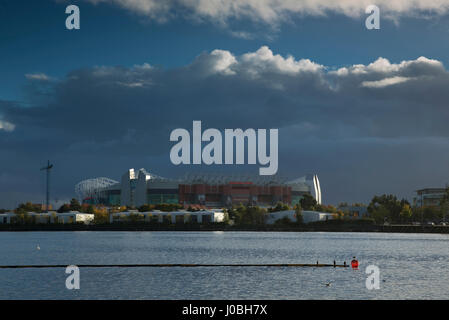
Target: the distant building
pixel 48 217
pixel 7 217
pixel 182 216
pixel 75 217
pixel 307 216
pixel 429 197
pixel 137 188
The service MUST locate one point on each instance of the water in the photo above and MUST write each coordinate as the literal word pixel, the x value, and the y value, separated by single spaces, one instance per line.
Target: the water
pixel 412 266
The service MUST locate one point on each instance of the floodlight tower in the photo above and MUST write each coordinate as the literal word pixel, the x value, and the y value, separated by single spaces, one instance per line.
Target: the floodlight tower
pixel 48 168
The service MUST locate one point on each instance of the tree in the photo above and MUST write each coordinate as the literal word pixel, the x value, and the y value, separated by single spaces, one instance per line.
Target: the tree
pixel 90 209
pixel 444 204
pixel 135 217
pixel 101 214
pixel 298 214
pixel 386 208
pixel 64 208
pixel 428 213
pixel 325 208
pixel 246 215
pixel 145 208
pixel 283 221
pixel 279 207
pixel 308 202
pixel 28 207
pixel 406 213
pixel 75 205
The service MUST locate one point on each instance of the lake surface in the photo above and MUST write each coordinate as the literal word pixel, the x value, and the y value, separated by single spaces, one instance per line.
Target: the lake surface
pixel 412 266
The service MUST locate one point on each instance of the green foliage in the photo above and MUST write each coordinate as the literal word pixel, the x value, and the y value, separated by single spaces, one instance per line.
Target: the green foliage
pixel 23 208
pixel 406 213
pixel 165 207
pixel 298 213
pixel 387 208
pixel 135 217
pixel 145 208
pixel 285 221
pixel 325 208
pixel 90 209
pixel 246 215
pixel 75 205
pixel 279 207
pixel 358 204
pixel 427 214
pixel 64 208
pixel 444 204
pixel 308 202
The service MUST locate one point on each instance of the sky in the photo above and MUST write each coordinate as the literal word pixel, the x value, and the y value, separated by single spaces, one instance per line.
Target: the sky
pixel 365 110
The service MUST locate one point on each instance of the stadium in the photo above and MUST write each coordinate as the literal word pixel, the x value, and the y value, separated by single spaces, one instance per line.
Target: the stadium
pixel 139 187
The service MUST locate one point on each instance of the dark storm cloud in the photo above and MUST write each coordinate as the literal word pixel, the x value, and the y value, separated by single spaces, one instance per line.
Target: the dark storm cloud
pixel 101 119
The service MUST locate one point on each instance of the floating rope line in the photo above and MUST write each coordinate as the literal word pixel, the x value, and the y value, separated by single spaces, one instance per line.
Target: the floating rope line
pixel 159 265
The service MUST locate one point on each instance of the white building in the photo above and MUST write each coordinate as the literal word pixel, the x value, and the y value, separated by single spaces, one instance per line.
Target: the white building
pixel 307 216
pixel 48 217
pixel 75 217
pixel 314 216
pixel 6 218
pixel 182 216
pixel 128 187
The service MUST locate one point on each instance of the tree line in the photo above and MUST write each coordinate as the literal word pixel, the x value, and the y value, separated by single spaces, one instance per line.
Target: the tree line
pixel 386 208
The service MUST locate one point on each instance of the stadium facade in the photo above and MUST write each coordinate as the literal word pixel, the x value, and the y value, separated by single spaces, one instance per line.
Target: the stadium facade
pixel 139 187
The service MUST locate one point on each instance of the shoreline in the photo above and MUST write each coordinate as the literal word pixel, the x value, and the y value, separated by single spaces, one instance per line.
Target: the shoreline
pixel 302 228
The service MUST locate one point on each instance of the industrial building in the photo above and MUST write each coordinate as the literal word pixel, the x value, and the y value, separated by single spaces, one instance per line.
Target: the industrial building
pixel 429 197
pixel 137 188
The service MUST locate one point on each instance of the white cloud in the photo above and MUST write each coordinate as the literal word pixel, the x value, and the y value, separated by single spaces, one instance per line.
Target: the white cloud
pixel 384 82
pixel 263 60
pixel 37 76
pixel 224 60
pixel 384 66
pixel 7 126
pixel 272 11
pixel 131 84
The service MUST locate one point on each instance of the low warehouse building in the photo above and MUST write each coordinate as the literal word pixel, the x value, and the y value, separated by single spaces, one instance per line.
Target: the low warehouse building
pixel 75 217
pixel 307 216
pixel 7 218
pixel 46 217
pixel 182 216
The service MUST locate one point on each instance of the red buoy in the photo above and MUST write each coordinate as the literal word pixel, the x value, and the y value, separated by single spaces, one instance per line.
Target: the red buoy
pixel 354 263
